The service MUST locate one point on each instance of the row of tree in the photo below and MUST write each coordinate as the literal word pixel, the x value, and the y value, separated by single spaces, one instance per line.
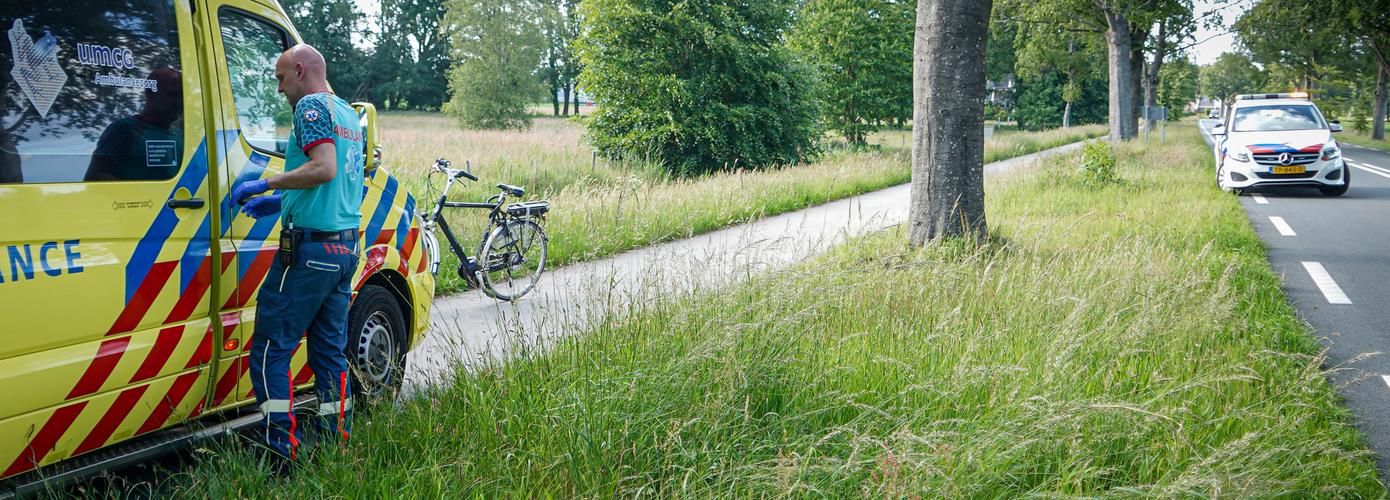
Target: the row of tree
pixel 400 65
pixel 1338 50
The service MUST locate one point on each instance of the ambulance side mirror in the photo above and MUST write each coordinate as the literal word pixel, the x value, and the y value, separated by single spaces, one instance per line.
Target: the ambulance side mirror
pixel 371 134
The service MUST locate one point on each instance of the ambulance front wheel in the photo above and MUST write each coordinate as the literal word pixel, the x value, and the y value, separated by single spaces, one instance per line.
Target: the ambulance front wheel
pixel 376 340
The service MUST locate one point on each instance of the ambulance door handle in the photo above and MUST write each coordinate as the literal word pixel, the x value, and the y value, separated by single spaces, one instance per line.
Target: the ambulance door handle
pixel 185 203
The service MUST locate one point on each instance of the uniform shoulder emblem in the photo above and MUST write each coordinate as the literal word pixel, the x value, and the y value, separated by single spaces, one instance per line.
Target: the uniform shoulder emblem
pixel 311 115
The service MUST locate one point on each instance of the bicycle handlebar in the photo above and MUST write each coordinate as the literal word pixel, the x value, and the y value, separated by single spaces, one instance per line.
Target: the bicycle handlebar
pixel 442 165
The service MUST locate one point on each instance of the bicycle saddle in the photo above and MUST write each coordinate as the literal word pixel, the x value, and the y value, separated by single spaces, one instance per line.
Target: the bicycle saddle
pixel 512 190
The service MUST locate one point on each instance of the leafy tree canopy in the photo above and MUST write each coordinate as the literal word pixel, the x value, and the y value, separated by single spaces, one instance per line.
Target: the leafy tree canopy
pixel 697 84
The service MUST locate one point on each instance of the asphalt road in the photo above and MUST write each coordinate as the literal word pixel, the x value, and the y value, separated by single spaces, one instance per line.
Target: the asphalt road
pixel 1334 256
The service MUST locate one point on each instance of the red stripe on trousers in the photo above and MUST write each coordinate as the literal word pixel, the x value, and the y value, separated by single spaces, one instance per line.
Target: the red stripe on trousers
pixel 108 356
pixel 112 419
pixel 164 345
pixel 139 304
pixel 44 440
pixel 166 405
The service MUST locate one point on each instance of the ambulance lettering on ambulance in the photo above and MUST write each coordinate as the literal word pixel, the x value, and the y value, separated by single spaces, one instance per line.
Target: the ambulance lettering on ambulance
pixel 52 260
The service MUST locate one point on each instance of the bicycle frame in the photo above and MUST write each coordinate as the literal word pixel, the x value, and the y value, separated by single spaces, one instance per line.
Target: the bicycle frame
pixel 495 217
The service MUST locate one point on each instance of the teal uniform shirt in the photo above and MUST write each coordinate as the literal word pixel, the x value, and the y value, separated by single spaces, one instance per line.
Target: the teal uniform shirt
pixel 337 204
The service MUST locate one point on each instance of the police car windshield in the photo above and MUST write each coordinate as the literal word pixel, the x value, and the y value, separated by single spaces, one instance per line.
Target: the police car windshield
pixel 1277 117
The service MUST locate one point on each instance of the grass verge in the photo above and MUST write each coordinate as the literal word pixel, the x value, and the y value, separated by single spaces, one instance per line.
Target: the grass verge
pixel 1126 339
pixel 1362 139
pixel 604 208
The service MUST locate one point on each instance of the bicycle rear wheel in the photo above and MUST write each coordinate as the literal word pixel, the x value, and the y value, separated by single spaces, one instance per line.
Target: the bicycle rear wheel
pixel 512 259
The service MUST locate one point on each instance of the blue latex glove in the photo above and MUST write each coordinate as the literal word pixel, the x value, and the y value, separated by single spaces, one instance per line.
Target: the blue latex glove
pixel 262 206
pixel 248 189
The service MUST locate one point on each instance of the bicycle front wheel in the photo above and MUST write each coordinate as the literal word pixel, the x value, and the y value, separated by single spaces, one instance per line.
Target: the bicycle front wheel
pixel 512 259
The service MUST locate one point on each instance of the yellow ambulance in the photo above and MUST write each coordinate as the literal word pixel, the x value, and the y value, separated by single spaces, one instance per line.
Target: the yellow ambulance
pixel 128 278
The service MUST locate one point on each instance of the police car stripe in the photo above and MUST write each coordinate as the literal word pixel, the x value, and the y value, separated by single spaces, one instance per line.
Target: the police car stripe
pixel 107 357
pixel 45 438
pixel 112 419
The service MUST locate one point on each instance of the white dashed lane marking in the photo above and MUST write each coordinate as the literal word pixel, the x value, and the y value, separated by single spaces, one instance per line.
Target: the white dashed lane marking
pixel 1260 199
pixel 1376 171
pixel 1386 378
pixel 1326 284
pixel 1282 226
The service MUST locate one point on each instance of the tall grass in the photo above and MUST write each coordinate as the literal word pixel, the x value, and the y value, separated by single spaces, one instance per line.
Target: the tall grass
pixel 1127 339
pixel 602 208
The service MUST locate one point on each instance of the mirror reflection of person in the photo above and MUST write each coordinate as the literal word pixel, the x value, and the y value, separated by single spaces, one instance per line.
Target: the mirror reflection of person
pixel 124 151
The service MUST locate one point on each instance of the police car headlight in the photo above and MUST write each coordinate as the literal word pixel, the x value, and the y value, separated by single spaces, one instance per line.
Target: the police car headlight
pixel 1331 153
pixel 1238 156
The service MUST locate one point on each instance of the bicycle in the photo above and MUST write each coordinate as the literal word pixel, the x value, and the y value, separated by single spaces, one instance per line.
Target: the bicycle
pixel 514 247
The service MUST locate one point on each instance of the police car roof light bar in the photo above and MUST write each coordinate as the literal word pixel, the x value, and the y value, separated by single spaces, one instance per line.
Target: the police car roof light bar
pixel 1286 95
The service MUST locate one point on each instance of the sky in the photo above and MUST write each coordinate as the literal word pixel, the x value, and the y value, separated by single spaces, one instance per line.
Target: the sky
pixel 1210 43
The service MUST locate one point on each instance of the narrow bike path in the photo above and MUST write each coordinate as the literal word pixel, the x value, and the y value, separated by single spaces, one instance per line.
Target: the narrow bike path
pixel 470 328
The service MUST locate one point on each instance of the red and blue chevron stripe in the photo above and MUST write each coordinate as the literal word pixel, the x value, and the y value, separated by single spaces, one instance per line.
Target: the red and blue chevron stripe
pixel 1269 149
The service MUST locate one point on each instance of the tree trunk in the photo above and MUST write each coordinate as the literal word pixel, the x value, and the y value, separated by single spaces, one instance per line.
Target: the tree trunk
pixel 555 98
pixel 1118 43
pixel 1151 82
pixel 567 100
pixel 1066 115
pixel 948 87
pixel 1137 63
pixel 1378 116
pixel 574 87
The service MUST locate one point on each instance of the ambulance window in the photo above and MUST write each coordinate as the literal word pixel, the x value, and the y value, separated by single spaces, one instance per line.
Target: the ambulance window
pixel 252 46
pixel 89 91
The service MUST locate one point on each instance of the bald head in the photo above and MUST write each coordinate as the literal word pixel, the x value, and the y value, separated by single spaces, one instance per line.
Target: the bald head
pixel 301 71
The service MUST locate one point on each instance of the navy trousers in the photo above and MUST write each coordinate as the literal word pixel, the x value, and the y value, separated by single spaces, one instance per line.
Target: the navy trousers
pixel 310 297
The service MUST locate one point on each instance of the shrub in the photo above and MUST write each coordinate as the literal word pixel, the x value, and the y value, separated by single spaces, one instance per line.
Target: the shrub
pixel 697 85
pixel 1098 164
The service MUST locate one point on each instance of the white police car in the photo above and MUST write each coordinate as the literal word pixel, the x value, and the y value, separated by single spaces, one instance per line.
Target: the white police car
pixel 1278 140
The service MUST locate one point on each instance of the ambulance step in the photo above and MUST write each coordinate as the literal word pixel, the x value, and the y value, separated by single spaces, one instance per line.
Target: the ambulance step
pixel 131 452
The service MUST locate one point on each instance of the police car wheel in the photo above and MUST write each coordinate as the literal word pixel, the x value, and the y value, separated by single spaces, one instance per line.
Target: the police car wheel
pixel 1339 190
pixel 376 333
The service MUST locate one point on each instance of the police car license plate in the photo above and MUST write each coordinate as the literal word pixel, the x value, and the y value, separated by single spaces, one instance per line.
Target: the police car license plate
pixel 1288 170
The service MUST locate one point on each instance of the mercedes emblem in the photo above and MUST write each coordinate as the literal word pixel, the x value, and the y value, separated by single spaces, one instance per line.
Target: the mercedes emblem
pixel 1285 158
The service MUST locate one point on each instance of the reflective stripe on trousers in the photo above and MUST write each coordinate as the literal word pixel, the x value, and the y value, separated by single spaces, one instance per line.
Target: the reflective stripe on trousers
pixel 310 298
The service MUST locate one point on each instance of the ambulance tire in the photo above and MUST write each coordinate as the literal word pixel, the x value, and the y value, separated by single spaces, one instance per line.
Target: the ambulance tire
pixel 376 340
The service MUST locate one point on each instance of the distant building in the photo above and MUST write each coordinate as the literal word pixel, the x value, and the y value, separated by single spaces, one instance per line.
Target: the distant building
pixel 1000 92
pixel 1203 104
